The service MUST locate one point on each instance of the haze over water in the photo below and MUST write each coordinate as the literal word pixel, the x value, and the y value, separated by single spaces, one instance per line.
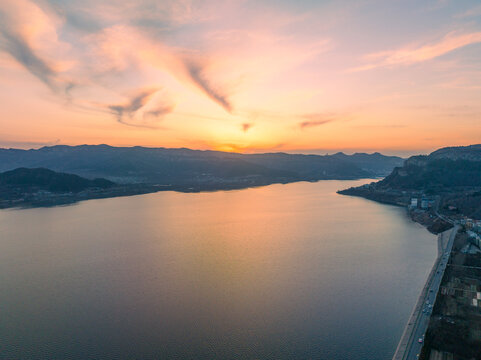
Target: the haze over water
pixel 279 272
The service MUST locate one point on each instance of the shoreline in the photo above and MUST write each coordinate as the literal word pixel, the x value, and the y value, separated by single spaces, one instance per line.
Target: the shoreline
pixel 31 200
pixel 409 347
pixel 433 222
pixel 414 321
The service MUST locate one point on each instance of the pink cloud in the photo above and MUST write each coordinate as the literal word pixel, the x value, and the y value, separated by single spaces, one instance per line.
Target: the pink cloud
pixel 412 55
pixel 30 37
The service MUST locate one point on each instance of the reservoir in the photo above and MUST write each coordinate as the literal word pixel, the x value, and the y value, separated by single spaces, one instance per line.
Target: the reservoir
pixel 290 271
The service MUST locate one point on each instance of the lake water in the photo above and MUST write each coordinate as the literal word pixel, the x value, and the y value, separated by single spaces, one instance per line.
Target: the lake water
pixel 279 272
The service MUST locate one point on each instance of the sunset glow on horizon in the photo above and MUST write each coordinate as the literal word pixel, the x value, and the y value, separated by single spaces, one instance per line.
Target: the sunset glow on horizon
pixel 399 77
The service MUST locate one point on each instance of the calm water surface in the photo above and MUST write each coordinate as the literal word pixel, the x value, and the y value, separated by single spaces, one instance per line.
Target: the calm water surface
pixel 279 272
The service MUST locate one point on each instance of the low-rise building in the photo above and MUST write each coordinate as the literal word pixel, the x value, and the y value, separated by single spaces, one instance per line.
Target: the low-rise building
pixel 474 238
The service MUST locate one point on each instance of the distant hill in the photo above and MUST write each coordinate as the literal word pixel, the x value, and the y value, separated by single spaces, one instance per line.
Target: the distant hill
pixel 469 153
pixel 184 167
pixel 29 180
pixel 375 163
pixel 445 169
pixel 452 175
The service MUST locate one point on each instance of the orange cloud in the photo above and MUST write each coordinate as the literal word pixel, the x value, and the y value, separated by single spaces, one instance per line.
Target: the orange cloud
pixel 312 120
pixel 246 126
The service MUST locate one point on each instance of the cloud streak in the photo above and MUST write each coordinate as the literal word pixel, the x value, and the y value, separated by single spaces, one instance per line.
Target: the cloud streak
pixel 21 51
pixel 197 75
pixel 14 40
pixel 475 11
pixel 412 55
pixel 313 120
pixel 135 112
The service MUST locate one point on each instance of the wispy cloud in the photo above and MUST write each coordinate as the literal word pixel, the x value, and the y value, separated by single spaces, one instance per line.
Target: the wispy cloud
pixel 475 11
pixel 19 49
pixel 416 54
pixel 16 39
pixel 196 73
pixel 135 113
pixel 318 119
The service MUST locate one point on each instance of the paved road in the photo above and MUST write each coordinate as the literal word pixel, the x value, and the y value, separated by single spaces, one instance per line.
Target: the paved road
pixel 409 347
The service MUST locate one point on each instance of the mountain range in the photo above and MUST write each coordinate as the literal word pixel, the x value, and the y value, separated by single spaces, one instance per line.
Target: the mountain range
pixel 185 167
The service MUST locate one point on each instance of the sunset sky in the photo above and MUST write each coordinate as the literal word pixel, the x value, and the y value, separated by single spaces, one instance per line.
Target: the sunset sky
pixel 400 77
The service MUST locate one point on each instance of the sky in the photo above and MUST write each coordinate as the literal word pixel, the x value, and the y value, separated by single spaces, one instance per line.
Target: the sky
pixel 399 77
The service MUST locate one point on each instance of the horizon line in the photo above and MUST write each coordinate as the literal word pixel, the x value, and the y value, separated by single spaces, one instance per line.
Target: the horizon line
pixel 320 152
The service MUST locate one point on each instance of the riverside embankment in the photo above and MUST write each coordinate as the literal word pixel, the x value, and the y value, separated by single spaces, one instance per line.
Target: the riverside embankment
pixel 412 339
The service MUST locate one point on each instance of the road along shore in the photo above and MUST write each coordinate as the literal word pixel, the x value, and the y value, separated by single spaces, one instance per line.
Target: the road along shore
pixel 418 320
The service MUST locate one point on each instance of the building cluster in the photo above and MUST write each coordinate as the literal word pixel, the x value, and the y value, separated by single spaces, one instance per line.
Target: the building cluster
pixel 471 224
pixel 423 202
pixel 474 238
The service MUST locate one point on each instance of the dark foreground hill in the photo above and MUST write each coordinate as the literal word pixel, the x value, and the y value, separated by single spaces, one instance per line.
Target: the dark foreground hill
pixel 185 167
pixel 24 187
pixel 48 180
pixel 445 169
pixel 449 179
